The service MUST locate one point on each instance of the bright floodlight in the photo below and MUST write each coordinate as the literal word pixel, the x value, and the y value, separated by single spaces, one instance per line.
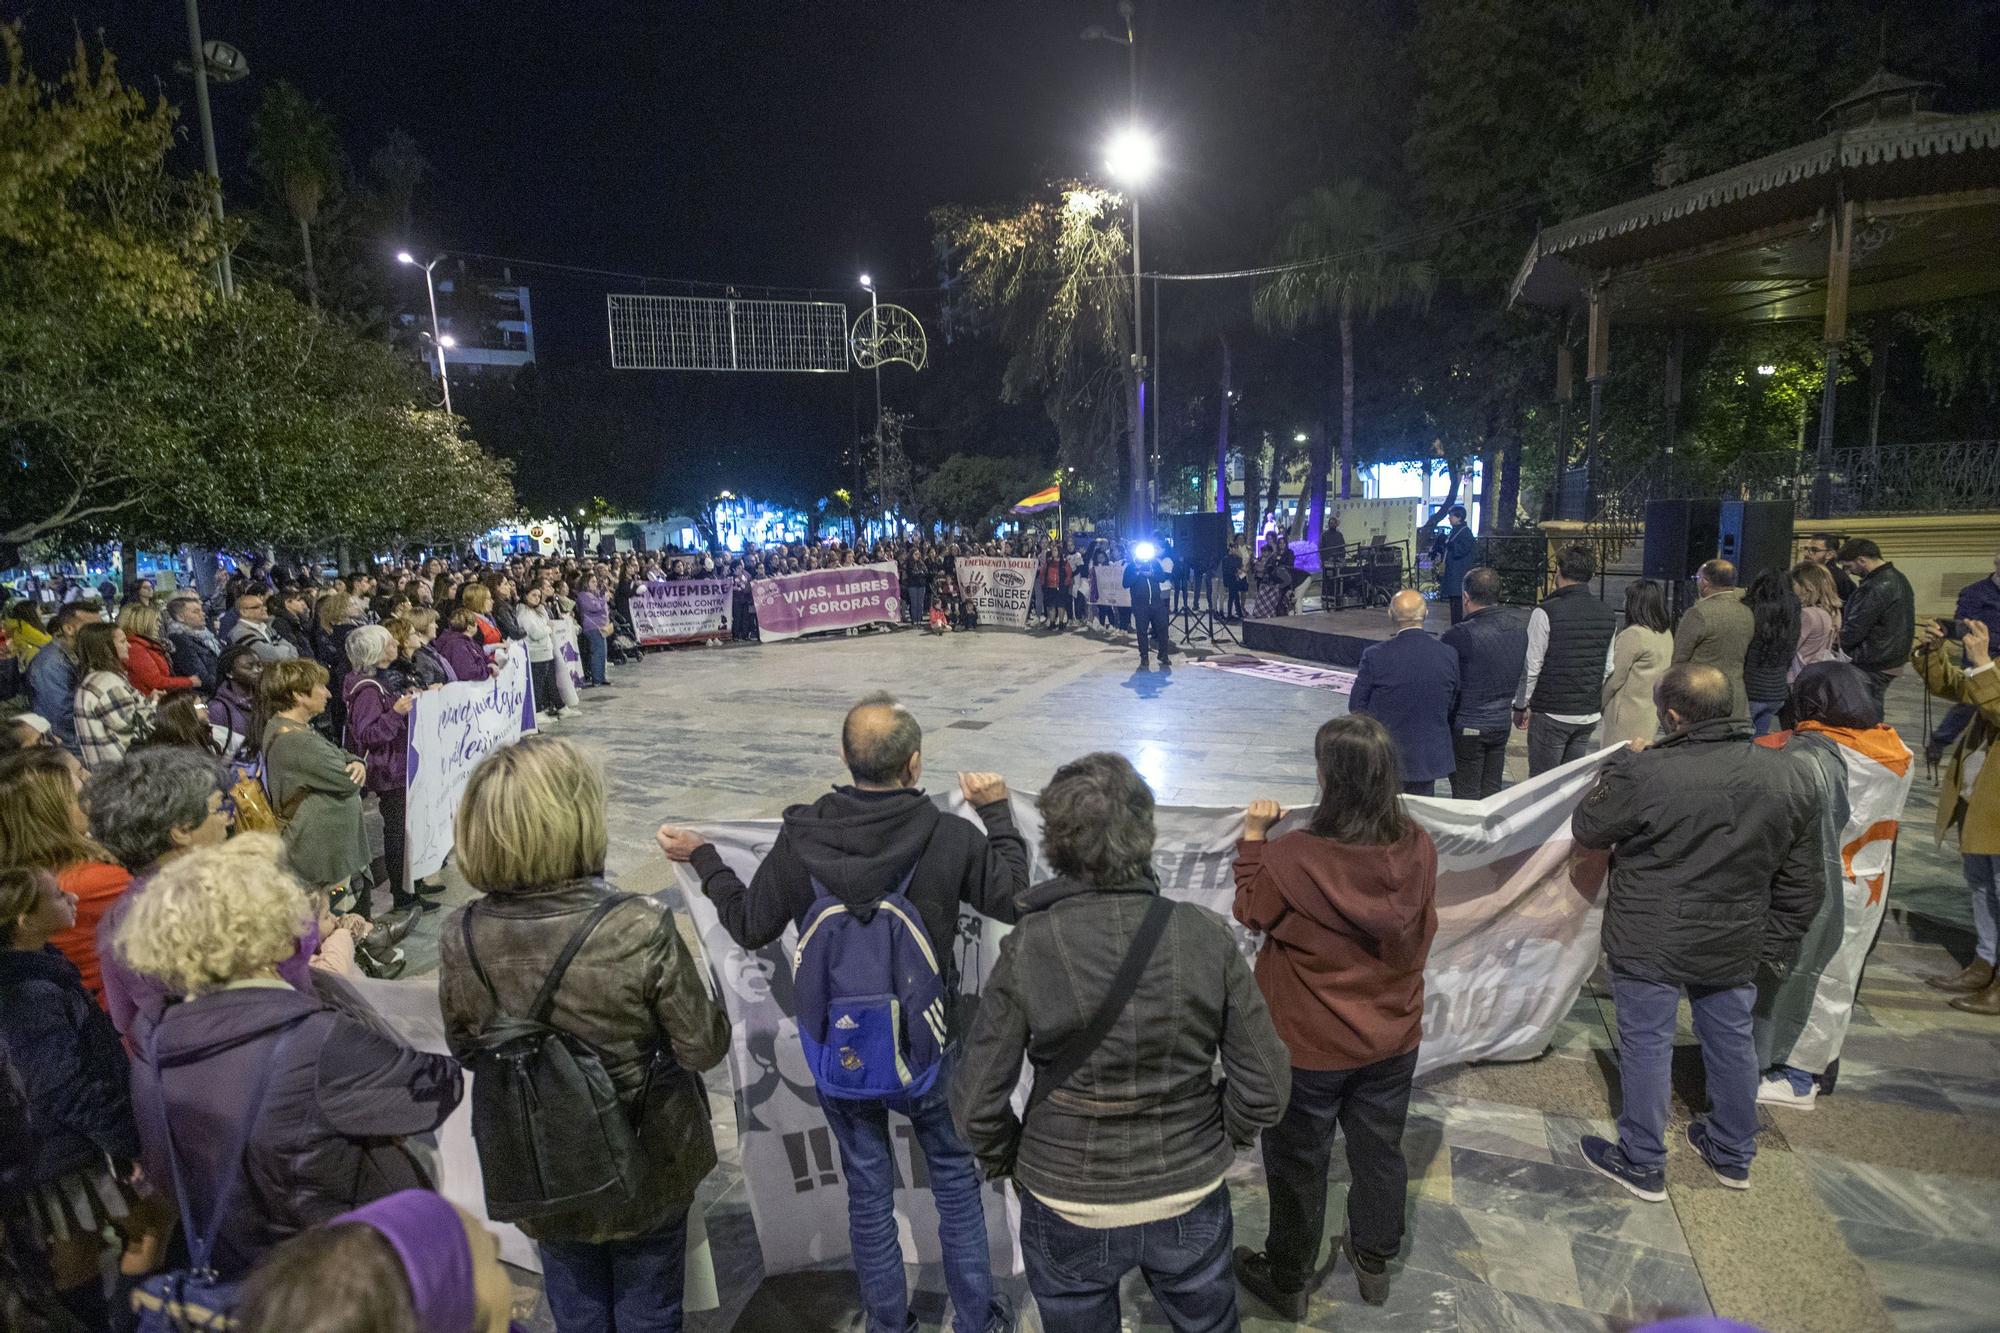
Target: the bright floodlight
pixel 1767 369
pixel 405 257
pixel 867 281
pixel 1144 551
pixel 1131 156
pixel 1299 437
pixel 447 341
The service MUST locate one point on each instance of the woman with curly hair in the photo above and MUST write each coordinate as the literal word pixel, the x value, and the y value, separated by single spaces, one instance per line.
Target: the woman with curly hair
pixel 316 1091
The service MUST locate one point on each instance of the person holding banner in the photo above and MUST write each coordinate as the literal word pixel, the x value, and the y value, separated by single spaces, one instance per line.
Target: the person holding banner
pixel 1348 909
pixel 1863 771
pixel 378 724
pixel 1715 874
pixel 1122 1000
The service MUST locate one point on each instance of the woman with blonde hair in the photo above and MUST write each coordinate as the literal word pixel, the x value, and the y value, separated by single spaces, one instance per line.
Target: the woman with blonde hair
pixel 478 599
pixel 149 663
pixel 110 713
pixel 1819 617
pixel 43 827
pixel 248 1081
pixel 531 837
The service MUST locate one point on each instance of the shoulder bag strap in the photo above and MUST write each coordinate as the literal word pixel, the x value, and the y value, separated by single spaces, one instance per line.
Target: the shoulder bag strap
pixel 472 954
pixel 1078 1049
pixel 545 998
pixel 201 1243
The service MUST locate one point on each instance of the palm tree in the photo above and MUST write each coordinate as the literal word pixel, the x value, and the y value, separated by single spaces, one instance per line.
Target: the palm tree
pixel 1338 235
pixel 294 148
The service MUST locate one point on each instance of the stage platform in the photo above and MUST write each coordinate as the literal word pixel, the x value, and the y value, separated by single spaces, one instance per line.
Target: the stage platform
pixel 1337 638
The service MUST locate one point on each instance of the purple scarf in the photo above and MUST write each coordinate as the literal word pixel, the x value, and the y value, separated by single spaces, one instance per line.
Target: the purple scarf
pixel 427 1235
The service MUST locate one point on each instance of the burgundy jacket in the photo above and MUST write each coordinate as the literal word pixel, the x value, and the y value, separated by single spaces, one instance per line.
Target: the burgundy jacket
pixel 1348 929
pixel 378 731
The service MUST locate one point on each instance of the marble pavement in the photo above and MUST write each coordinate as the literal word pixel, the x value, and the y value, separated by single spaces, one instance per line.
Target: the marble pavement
pixel 1879 1209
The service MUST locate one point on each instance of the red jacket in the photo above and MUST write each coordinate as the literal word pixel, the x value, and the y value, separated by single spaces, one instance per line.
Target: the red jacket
pixel 149 670
pixel 1348 930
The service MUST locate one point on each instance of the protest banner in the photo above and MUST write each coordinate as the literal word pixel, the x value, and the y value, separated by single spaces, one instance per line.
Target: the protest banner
pixel 684 611
pixel 1289 673
pixel 1001 587
pixel 826 599
pixel 452 728
pixel 1107 585
pixel 569 661
pixel 1518 923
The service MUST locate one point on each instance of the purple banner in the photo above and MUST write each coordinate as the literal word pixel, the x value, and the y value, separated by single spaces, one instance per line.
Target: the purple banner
pixel 826 599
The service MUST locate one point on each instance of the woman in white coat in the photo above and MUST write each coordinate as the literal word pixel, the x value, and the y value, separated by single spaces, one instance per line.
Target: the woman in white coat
pixel 1640 655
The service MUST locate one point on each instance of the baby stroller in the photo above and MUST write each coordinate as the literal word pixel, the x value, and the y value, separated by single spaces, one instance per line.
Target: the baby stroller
pixel 623 645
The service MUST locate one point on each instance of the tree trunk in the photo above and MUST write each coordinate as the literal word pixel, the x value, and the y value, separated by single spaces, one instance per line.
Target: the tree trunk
pixel 1320 465
pixel 1489 467
pixel 1274 481
pixel 1252 518
pixel 1222 436
pixel 1346 400
pixel 312 274
pixel 1509 497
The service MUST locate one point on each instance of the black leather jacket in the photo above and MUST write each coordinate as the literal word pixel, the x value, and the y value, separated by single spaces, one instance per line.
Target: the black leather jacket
pixel 1880 622
pixel 1143 1118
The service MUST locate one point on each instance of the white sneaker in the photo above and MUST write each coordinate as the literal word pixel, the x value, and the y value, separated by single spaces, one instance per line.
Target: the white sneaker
pixel 1778 1092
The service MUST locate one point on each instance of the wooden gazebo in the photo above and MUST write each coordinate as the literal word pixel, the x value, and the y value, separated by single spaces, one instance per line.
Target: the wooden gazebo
pixel 1892 206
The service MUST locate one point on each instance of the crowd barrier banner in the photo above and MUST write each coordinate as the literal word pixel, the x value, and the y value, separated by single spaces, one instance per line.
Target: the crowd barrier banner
pixel 1291 673
pixel 1518 923
pixel 569 661
pixel 452 728
pixel 1107 585
pixel 1000 586
pixel 684 611
pixel 826 599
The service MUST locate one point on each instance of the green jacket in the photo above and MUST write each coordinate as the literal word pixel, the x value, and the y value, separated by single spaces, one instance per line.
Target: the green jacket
pixel 325 842
pixel 1716 631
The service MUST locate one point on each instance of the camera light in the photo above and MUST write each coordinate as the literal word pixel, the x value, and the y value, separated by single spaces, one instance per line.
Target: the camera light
pixel 1144 551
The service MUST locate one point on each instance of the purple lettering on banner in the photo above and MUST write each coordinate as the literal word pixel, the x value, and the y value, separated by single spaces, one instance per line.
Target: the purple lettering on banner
pixel 826 599
pixel 684 611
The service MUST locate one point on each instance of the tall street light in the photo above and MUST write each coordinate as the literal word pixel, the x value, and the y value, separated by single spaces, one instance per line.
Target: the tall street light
pixel 226 63
pixel 438 338
pixel 1130 159
pixel 881 452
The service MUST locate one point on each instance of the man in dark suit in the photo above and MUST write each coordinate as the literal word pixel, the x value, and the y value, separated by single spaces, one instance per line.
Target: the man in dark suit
pixel 1410 685
pixel 1456 550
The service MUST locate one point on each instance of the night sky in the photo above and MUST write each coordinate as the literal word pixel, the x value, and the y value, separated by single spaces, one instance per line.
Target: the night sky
pixel 782 143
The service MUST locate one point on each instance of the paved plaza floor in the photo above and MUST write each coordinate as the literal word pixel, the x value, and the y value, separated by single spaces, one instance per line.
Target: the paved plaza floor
pixel 1878 1209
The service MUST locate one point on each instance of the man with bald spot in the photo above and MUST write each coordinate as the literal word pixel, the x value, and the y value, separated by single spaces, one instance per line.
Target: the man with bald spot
pixel 859 842
pixel 1410 685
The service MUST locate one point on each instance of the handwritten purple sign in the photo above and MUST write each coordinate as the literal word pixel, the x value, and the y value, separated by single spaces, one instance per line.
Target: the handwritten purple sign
pixel 826 599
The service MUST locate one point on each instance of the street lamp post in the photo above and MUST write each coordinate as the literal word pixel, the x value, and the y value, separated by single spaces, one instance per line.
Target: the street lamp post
pixel 438 339
pixel 1131 160
pixel 199 58
pixel 881 449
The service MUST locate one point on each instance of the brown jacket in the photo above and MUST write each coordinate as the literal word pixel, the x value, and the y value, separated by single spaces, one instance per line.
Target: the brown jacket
pixel 1347 931
pixel 1979 835
pixel 1716 631
pixel 632 989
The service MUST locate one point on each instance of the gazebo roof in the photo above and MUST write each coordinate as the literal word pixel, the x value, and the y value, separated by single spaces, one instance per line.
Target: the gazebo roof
pixel 1749 244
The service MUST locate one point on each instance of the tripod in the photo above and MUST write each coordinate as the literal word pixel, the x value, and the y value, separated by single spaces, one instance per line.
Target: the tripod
pixel 1196 618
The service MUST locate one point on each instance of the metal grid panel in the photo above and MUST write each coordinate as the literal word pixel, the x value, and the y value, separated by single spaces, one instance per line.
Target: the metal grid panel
pixel 723 333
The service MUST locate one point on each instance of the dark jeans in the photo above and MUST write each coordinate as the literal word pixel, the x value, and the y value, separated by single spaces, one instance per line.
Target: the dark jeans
pixel 1645 1067
pixel 1878 685
pixel 1551 744
pixel 920 603
pixel 395 843
pixel 1482 763
pixel 1369 1106
pixel 1457 608
pixel 594 653
pixel 868 1163
pixel 1956 719
pixel 1074 1271
pixel 1236 591
pixel 631 1286
pixel 543 676
pixel 1764 716
pixel 1153 632
pixel 1428 787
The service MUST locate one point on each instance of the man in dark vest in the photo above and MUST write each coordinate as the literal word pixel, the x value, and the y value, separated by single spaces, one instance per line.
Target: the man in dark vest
pixel 1148 568
pixel 1561 696
pixel 1492 647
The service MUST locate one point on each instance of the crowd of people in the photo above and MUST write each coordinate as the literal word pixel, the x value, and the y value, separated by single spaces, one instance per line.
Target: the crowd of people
pixel 197 1098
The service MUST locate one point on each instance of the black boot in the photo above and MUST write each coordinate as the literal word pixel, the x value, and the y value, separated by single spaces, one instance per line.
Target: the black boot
pixel 1253 1272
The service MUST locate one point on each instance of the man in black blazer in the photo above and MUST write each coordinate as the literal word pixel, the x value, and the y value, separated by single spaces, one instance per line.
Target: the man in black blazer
pixel 1410 684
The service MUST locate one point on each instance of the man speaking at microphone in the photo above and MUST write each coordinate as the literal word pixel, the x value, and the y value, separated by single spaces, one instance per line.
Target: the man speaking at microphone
pixel 1149 574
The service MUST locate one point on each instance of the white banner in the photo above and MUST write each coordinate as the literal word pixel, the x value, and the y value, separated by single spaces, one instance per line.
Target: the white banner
pixel 569 661
pixel 1107 585
pixel 682 611
pixel 1000 586
pixel 1518 922
pixel 452 728
pixel 1290 673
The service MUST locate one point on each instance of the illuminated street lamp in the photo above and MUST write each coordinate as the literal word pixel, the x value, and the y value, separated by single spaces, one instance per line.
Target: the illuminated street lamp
pixel 881 455
pixel 437 336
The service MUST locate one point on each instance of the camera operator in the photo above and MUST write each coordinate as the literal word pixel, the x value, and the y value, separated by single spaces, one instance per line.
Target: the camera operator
pixel 1149 570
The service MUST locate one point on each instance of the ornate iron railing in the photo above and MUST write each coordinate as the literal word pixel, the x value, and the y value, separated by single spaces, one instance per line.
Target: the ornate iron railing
pixel 1945 476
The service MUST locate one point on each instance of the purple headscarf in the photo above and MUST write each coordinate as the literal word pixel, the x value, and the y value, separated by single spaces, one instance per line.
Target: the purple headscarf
pixel 427 1235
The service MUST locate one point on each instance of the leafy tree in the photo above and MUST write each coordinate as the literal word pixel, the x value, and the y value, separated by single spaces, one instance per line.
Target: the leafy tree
pixel 1339 236
pixel 974 492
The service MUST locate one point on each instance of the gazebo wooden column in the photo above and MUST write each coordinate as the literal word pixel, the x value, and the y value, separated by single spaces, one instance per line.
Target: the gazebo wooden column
pixel 1840 239
pixel 1597 364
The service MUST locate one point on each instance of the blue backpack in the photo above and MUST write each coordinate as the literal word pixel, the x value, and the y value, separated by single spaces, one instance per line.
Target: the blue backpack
pixel 870 997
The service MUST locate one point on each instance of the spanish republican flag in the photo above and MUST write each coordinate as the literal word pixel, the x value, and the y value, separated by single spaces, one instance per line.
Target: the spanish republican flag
pixel 1040 500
